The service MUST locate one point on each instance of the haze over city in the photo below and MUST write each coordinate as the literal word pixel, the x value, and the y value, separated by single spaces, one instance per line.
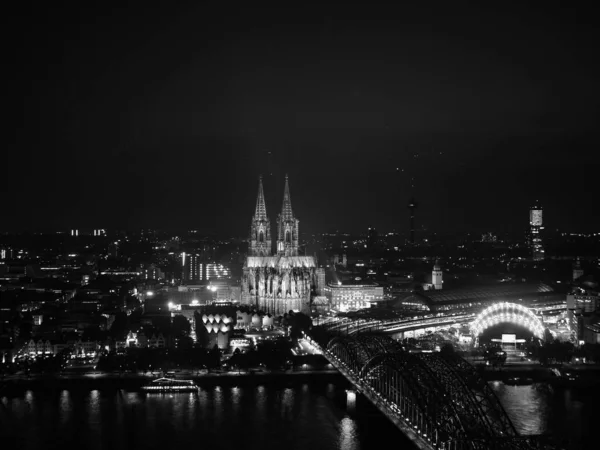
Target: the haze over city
pixel 165 117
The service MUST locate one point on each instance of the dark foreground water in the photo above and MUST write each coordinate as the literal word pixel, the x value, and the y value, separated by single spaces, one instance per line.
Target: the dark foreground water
pixel 571 415
pixel 302 416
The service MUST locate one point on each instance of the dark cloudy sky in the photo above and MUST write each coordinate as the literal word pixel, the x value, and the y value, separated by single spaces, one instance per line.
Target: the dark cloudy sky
pixel 166 117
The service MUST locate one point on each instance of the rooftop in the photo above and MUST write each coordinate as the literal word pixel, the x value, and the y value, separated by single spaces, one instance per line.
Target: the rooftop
pixel 353 283
pixel 587 282
pixel 503 290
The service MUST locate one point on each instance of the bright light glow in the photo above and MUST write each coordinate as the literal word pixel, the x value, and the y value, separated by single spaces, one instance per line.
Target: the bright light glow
pixel 194 302
pixel 535 217
pixel 507 312
pixel 150 293
pixel 171 305
pixel 213 288
pixel 351 395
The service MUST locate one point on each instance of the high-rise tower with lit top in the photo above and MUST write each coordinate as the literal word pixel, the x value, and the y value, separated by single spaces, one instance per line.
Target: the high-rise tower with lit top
pixel 536 227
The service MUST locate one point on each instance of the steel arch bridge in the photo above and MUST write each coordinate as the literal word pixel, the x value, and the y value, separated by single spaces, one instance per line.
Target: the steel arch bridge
pixel 439 400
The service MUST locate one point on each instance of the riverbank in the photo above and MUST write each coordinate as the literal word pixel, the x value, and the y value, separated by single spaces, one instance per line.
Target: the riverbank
pixel 582 375
pixel 134 382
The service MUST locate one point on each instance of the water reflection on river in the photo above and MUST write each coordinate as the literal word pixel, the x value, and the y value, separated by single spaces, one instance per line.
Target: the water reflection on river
pixel 567 414
pixel 302 416
pixel 267 417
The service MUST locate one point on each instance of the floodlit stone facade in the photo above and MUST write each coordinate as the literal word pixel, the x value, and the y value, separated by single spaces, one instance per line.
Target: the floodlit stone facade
pixel 282 282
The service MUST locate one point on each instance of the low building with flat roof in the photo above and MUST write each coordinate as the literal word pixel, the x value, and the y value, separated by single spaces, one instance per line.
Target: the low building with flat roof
pixel 353 295
pixel 531 294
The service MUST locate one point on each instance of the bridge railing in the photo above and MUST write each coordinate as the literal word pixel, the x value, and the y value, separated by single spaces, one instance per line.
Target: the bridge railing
pixel 401 407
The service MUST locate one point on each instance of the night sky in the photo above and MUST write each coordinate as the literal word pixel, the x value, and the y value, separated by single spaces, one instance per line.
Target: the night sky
pixel 166 117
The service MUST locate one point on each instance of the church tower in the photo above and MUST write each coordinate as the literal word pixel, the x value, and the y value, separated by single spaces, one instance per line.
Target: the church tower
pixel 259 243
pixel 287 226
pixel 436 276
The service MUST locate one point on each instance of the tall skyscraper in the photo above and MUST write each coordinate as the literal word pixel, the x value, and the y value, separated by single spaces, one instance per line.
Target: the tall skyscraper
pixel 191 268
pixel 536 228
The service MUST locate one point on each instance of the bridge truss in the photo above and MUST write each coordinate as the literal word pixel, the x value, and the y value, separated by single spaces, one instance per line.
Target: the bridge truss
pixel 439 397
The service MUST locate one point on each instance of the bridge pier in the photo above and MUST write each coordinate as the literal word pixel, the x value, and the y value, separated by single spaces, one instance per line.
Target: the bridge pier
pixel 398 336
pixel 350 400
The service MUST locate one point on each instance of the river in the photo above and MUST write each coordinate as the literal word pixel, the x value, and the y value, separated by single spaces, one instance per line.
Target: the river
pixel 314 416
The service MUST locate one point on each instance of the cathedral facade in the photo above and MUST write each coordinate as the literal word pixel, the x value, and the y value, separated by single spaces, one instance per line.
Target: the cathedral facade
pixel 280 281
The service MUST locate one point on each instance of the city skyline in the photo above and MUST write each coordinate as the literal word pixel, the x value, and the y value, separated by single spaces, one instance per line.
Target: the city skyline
pixel 302 226
pixel 150 118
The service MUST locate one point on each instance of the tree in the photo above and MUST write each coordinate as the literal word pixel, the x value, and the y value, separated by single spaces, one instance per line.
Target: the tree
pixel 447 349
pixel 119 326
pixel 239 360
pixel 93 333
pixel 25 330
pixel 300 323
pixel 180 326
pixel 214 357
pixel 184 342
pixel 199 358
pixel 202 337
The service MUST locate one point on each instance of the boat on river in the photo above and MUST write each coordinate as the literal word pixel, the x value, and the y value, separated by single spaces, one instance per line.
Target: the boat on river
pixel 170 385
pixel 518 381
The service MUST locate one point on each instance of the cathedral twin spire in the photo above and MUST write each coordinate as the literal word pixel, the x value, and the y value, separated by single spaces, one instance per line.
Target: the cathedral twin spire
pixel 260 230
pixel 287 226
pixel 261 207
pixel 286 208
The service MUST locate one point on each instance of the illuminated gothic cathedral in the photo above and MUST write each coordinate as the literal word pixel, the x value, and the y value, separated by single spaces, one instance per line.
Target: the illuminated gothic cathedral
pixel 280 282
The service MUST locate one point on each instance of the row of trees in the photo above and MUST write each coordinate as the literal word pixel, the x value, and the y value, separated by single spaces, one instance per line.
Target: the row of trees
pixel 554 352
pixel 561 352
pixel 271 354
pixel 160 360
pixel 298 323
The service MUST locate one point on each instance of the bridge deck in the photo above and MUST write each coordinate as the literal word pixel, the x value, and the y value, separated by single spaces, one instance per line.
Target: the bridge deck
pixel 383 406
